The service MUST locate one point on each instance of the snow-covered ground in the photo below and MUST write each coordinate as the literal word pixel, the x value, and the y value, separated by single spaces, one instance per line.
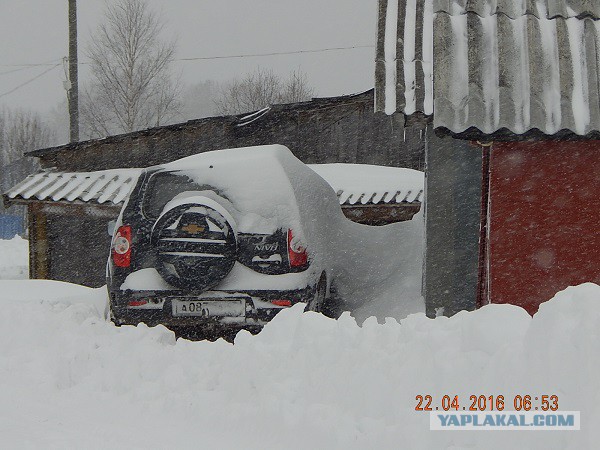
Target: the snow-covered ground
pixel 14 259
pixel 69 379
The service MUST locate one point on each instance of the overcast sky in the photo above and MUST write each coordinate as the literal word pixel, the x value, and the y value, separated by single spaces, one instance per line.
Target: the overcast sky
pixel 35 31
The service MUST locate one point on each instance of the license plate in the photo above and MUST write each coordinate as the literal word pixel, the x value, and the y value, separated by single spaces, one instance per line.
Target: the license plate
pixel 209 308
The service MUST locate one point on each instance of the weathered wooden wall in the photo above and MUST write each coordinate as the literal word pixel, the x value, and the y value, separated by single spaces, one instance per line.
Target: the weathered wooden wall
pixel 69 242
pixel 340 129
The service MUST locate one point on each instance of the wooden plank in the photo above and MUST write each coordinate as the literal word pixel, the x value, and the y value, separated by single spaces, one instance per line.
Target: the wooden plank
pixel 38 244
pixel 381 214
pixel 31 240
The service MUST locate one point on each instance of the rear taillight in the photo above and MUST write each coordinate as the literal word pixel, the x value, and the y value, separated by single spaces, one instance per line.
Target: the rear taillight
pixel 282 302
pixel 296 251
pixel 136 303
pixel 121 250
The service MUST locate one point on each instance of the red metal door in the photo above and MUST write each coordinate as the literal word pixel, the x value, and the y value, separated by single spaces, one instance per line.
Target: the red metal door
pixel 544 230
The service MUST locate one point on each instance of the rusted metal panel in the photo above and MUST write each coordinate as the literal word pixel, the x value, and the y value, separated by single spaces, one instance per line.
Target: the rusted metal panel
pixel 544 215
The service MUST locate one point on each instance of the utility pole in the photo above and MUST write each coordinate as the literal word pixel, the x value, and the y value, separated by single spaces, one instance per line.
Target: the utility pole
pixel 73 90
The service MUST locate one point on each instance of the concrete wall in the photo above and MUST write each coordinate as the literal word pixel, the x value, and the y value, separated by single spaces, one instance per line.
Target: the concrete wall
pixel 452 211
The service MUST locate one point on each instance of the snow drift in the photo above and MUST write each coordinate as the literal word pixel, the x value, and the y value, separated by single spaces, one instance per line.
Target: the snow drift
pixel 14 259
pixel 69 379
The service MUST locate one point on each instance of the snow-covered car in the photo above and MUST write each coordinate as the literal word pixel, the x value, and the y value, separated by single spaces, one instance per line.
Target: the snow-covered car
pixel 223 239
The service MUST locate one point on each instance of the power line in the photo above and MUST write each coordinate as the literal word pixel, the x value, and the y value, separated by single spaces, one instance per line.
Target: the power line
pixel 27 65
pixel 29 81
pixel 198 58
pixel 295 52
pixel 15 70
pixel 203 58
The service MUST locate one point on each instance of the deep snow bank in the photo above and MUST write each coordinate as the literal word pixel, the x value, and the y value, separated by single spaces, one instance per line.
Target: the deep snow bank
pixel 14 258
pixel 68 379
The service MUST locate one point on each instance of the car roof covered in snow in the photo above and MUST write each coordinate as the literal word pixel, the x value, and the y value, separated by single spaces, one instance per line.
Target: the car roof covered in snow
pixel 265 180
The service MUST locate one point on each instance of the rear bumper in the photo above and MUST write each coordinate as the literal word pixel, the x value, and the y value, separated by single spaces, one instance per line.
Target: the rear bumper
pixel 158 309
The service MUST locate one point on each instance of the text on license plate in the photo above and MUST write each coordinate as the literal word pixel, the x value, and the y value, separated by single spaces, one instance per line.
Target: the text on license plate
pixel 209 308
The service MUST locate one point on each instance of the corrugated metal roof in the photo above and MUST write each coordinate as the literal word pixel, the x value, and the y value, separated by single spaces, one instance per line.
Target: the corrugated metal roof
pixel 113 186
pixel 516 8
pixel 365 184
pixel 517 65
pixel 107 186
pixel 404 57
pixel 379 198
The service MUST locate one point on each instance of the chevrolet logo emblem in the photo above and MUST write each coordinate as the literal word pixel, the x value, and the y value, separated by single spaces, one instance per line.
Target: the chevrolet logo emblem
pixel 192 228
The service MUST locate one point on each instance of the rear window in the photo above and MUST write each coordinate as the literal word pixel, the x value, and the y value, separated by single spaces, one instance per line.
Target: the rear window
pixel 162 187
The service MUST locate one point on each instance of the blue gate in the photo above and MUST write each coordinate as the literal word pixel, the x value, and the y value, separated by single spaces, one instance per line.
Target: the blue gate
pixel 10 226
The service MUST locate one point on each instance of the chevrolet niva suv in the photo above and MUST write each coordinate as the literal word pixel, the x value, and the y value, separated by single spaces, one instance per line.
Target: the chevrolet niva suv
pixel 223 239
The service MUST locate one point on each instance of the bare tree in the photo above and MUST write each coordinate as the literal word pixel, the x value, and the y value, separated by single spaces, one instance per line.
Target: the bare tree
pixel 260 89
pixel 20 132
pixel 296 88
pixel 133 87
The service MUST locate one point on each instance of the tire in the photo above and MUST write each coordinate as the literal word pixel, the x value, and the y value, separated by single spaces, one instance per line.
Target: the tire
pixel 196 246
pixel 333 306
pixel 113 318
pixel 319 299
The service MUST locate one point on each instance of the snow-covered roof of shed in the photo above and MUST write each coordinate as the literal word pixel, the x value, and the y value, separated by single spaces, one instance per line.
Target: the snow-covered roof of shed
pixel 353 183
pixel 514 65
pixel 106 186
pixel 357 184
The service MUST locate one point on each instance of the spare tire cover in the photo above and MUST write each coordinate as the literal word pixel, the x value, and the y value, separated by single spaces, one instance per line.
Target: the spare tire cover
pixel 195 243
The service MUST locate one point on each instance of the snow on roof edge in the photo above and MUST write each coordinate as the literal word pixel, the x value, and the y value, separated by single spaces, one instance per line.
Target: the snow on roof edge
pixel 354 184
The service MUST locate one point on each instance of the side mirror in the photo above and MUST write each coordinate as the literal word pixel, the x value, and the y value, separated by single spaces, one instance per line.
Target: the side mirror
pixel 111 227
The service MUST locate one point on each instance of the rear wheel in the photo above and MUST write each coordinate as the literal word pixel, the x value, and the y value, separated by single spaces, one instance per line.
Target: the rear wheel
pixel 319 299
pixel 333 306
pixel 113 318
